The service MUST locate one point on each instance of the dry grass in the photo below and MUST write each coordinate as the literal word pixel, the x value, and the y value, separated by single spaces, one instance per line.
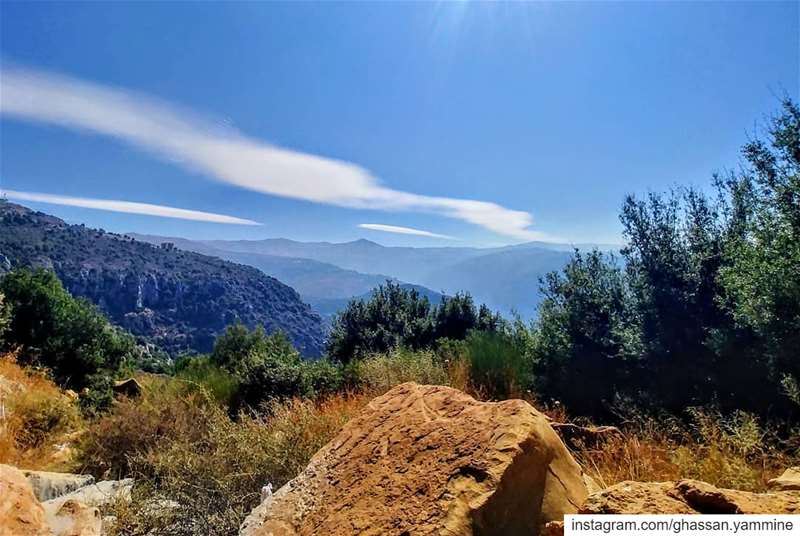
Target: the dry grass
pixel 379 373
pixel 730 452
pixel 212 477
pixel 37 420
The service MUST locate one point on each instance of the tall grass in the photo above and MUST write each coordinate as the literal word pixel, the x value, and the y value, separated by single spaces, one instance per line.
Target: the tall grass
pixel 211 480
pixel 379 373
pixel 733 451
pixel 36 418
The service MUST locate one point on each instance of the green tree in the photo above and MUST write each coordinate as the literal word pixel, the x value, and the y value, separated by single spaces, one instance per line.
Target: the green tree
pixel 586 342
pixel 232 347
pixel 5 316
pixel 761 278
pixel 67 335
pixel 267 367
pixel 392 317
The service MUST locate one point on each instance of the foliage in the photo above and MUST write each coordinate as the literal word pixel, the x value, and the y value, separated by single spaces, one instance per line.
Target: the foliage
pixel 37 417
pixel 705 308
pixel 395 317
pixel 69 336
pixel 5 316
pixel 267 367
pixel 380 372
pixel 213 478
pixel 760 278
pixel 498 367
pixel 583 333
pixel 220 384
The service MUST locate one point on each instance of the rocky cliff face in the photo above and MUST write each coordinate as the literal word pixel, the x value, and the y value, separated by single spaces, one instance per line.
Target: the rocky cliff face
pixel 176 299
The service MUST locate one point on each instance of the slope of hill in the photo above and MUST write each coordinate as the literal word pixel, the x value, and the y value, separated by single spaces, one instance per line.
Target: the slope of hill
pixel 314 280
pixel 327 275
pixel 179 300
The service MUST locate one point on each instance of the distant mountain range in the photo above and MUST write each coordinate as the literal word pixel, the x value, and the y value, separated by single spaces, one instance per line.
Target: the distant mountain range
pixel 328 274
pixel 179 300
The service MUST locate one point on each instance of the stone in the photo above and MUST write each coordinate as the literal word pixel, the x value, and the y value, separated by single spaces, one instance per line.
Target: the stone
pixel 631 497
pixel 72 518
pixel 20 513
pixel 708 499
pixel 788 481
pixel 687 497
pixel 430 460
pixel 103 493
pixel 130 388
pixel 47 485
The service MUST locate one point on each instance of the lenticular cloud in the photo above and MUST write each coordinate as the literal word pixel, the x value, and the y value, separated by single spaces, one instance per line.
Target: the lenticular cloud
pixel 225 155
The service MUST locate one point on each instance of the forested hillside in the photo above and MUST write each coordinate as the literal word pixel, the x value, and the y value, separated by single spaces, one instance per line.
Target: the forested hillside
pixel 178 300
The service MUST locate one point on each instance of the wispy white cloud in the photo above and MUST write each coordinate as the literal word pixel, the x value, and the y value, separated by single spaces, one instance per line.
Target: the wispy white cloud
pixel 402 230
pixel 128 207
pixel 226 155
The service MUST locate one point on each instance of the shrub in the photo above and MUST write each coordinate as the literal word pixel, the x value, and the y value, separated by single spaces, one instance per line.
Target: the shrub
pixel 165 411
pixel 730 451
pixel 35 418
pixel 220 384
pixel 214 479
pixel 322 377
pixel 498 367
pixel 40 416
pixel 5 316
pixel 67 335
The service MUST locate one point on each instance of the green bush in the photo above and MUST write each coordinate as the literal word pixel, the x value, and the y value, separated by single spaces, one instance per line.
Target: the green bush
pixel 498 367
pixel 5 316
pixel 396 317
pixel 69 336
pixel 200 371
pixel 267 367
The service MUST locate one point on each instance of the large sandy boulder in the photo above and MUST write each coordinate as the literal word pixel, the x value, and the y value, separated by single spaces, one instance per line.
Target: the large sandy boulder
pixel 430 460
pixel 47 485
pixel 20 512
pixel 687 497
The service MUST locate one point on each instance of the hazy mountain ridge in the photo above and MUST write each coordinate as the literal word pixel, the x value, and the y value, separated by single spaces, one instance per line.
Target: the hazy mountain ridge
pixel 315 281
pixel 504 278
pixel 179 300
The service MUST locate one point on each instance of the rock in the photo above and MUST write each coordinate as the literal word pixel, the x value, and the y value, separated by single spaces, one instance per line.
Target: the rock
pixel 20 512
pixel 130 388
pixel 687 497
pixel 587 436
pixel 635 498
pixel 100 494
pixel 430 460
pixel 788 481
pixel 708 499
pixel 553 528
pixel 72 518
pixel 47 485
pixel 591 485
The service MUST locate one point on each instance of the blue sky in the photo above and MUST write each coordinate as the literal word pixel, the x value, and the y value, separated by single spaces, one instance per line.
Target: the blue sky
pixel 483 123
